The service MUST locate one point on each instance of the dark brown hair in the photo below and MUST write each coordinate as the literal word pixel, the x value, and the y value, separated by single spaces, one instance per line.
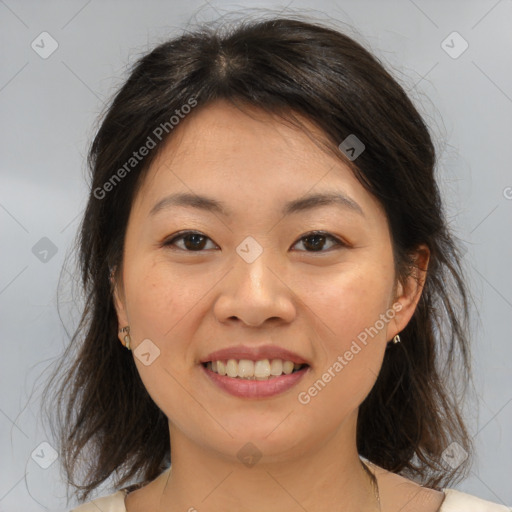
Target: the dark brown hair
pixel 106 421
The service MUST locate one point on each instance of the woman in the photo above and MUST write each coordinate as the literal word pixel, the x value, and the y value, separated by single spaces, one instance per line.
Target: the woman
pixel 274 299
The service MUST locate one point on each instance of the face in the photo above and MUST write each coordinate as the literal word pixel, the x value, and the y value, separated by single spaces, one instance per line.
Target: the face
pixel 196 279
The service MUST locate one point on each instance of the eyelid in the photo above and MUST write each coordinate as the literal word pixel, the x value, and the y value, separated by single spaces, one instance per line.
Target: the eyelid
pixel 169 241
pixel 339 242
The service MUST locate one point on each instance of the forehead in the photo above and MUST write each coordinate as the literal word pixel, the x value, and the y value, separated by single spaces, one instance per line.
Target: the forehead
pixel 223 150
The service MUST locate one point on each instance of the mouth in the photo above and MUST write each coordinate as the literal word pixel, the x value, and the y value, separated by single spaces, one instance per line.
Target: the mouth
pixel 247 369
pixel 245 378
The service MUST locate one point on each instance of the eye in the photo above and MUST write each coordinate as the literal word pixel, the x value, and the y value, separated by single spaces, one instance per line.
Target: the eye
pixel 193 241
pixel 316 241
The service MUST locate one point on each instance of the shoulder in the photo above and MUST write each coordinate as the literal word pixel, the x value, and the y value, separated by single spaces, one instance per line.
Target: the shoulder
pixel 409 495
pixel 457 501
pixel 111 503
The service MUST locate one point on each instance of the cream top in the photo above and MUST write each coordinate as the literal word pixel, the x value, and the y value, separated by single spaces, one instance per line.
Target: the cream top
pixel 455 501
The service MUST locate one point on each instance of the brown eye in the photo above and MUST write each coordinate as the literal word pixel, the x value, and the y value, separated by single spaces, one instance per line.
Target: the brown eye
pixel 315 242
pixel 192 241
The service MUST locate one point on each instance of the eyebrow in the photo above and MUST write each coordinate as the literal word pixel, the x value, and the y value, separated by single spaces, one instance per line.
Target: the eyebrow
pixel 297 205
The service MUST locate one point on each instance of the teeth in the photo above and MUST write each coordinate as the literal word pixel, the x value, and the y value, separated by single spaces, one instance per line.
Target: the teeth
pixel 276 367
pixel 263 369
pixel 232 368
pixel 221 367
pixel 245 368
pixel 288 367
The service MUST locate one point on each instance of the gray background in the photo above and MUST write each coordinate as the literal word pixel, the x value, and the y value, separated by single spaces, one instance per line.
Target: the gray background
pixel 48 110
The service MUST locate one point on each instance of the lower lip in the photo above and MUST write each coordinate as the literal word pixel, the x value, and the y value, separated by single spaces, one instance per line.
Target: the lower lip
pixel 255 388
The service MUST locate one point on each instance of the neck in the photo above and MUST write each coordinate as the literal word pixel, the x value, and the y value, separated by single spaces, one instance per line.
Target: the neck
pixel 327 476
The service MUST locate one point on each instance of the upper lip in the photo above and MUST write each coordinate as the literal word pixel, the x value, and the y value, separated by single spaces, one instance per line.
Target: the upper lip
pixel 254 354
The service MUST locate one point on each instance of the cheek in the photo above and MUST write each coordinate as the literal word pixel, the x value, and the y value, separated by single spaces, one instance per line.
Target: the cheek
pixel 166 307
pixel 161 298
pixel 351 336
pixel 161 304
pixel 351 301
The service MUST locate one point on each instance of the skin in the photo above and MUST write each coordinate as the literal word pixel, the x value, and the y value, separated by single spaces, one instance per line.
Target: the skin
pixel 315 303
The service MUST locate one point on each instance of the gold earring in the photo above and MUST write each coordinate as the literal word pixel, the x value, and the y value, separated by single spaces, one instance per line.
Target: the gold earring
pixel 396 339
pixel 127 338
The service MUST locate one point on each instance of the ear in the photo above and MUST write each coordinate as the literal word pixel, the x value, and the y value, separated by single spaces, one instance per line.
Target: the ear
pixel 118 298
pixel 408 293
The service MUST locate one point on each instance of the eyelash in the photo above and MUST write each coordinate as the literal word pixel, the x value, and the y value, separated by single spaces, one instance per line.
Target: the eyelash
pixel 183 234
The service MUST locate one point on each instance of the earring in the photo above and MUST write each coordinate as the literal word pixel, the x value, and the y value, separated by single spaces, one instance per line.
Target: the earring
pixel 396 339
pixel 111 274
pixel 127 339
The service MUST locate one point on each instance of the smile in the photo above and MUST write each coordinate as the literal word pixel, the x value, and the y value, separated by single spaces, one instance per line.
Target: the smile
pixel 262 369
pixel 254 379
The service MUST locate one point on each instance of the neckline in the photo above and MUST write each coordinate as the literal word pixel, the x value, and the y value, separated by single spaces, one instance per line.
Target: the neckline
pixel 447 492
pixel 445 495
pixel 446 498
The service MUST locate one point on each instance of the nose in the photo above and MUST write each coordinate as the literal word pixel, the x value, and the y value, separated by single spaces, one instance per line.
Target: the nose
pixel 254 293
